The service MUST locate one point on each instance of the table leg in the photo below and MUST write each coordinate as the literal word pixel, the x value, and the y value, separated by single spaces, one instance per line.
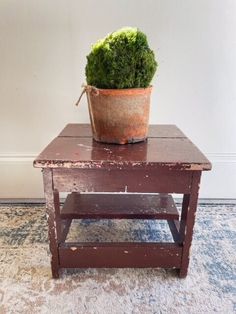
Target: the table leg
pixel 189 207
pixel 53 210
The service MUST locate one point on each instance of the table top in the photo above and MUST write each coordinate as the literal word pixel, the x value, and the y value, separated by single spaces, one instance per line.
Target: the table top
pixel 166 146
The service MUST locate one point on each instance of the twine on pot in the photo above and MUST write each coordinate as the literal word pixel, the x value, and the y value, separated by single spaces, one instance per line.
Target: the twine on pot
pixel 87 88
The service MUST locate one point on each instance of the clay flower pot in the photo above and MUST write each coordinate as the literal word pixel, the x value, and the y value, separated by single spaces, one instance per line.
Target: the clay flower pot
pixel 119 116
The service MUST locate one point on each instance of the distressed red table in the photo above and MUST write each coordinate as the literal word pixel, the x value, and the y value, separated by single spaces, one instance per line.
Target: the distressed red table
pixel 168 162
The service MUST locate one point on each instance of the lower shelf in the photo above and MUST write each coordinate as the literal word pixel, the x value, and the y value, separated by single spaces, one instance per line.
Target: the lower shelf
pixel 120 206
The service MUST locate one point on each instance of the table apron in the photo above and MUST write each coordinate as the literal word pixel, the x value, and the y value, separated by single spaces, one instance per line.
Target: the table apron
pixel 120 180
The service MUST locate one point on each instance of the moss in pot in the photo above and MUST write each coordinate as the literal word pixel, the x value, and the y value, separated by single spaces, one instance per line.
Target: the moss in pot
pixel 119 71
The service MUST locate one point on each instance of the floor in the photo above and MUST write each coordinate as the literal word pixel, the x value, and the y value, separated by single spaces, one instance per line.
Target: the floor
pixel 26 285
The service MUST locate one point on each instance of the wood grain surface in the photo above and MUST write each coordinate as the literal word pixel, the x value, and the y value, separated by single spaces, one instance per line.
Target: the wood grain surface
pixel 166 147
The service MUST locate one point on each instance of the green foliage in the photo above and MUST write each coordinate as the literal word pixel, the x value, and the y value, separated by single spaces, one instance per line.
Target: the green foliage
pixel 123 59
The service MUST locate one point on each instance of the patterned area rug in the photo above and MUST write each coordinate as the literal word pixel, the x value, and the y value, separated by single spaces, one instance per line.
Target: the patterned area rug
pixel 25 277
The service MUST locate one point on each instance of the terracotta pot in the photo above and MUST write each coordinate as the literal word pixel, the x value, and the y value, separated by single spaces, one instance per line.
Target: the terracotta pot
pixel 119 115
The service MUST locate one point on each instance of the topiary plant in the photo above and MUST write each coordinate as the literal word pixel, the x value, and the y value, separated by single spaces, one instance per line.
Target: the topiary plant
pixel 122 59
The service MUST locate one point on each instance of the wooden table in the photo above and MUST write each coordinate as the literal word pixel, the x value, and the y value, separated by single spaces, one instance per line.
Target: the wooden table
pixel 168 162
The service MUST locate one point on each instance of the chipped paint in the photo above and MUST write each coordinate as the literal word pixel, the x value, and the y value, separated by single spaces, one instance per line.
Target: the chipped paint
pixel 55 229
pixel 55 163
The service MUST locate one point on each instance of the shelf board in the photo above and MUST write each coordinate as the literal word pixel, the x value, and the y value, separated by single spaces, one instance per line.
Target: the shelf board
pixel 119 206
pixel 121 254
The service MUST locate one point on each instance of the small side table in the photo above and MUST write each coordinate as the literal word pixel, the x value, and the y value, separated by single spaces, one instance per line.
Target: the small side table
pixel 168 162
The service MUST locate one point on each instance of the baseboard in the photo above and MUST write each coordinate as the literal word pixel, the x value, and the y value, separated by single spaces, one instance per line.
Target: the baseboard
pixel 19 180
pixel 41 201
pixel 22 201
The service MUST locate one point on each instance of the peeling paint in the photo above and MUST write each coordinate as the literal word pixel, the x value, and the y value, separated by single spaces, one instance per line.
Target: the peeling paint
pixel 54 163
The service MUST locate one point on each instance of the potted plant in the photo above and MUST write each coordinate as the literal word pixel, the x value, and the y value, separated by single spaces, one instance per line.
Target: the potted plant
pixel 119 71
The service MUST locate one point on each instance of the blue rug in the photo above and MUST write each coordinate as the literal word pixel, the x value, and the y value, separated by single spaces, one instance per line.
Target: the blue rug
pixel 25 277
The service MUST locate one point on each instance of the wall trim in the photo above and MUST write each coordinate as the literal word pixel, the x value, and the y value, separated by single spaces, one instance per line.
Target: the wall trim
pixel 19 157
pixel 222 157
pixel 41 201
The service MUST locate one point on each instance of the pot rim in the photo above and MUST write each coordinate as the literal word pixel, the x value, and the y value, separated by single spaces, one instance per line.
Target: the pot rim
pixel 124 91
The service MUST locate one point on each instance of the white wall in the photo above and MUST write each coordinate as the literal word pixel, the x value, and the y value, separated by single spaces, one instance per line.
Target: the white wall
pixel 43 45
